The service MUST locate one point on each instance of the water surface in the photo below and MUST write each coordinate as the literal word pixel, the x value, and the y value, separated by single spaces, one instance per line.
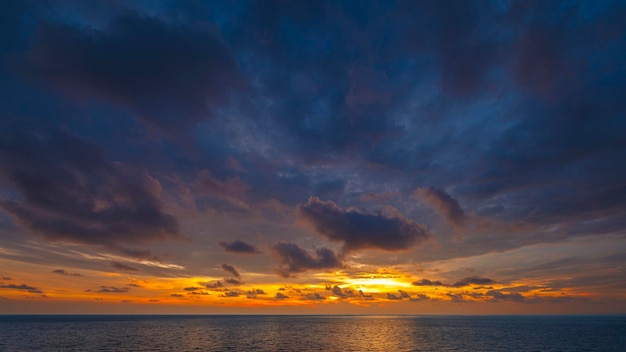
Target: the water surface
pixel 312 333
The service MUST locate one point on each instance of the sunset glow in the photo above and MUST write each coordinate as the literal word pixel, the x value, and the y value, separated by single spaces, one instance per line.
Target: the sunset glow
pixel 312 157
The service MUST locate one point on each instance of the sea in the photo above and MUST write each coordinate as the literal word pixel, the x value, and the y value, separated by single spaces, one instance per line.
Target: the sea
pixel 311 333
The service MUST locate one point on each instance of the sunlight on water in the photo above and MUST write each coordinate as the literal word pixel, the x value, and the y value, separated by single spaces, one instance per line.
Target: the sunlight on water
pixel 310 333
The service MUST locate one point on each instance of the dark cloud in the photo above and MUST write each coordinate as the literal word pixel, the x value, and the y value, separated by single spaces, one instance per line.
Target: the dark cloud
pixel 212 285
pixel 342 293
pixel 167 74
pixel 230 294
pixel 502 296
pixel 456 297
pixel 192 288
pixel 393 296
pixel 112 289
pixel 359 230
pixel 419 297
pixel 123 267
pixel 474 280
pixel 314 297
pixel 63 272
pixel 22 287
pixel 231 281
pixel 238 246
pixel 69 191
pixel 280 296
pixel 202 293
pixel 5 278
pixel 443 203
pixel 254 292
pixel 294 259
pixel 231 270
pixel 177 295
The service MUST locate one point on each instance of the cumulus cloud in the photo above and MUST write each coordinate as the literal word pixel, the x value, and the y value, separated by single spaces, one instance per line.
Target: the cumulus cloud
pixel 230 294
pixel 445 205
pixel 231 270
pixel 63 272
pixel 419 297
pixel 239 247
pixel 314 297
pixel 342 293
pixel 212 285
pixel 294 259
pixel 280 296
pixel 254 292
pixel 393 296
pixel 69 191
pixel 360 230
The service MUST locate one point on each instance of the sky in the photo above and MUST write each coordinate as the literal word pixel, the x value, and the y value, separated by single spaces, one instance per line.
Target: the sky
pixel 312 157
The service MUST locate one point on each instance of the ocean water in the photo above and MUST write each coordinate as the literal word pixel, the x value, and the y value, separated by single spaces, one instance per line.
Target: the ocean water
pixel 312 333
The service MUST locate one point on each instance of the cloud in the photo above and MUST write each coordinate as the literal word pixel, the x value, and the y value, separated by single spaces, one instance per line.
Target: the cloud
pixel 342 293
pixel 294 259
pixel 231 270
pixel 280 296
pixel 212 285
pixel 468 281
pixel 230 294
pixel 501 296
pixel 168 75
pixel 254 292
pixel 5 278
pixel 456 297
pixel 393 296
pixel 63 272
pixel 314 297
pixel 69 191
pixel 22 287
pixel 113 289
pixel 192 288
pixel 419 297
pixel 426 282
pixel 231 281
pixel 239 247
pixel 123 267
pixel 177 295
pixel 360 230
pixel 474 280
pixel 443 203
